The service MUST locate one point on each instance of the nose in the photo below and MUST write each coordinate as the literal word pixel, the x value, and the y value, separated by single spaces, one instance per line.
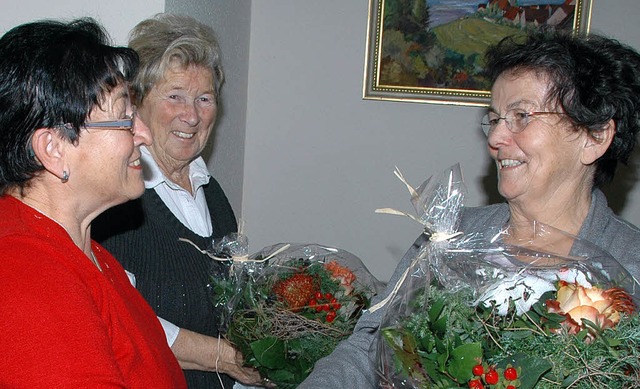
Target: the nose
pixel 500 133
pixel 190 113
pixel 141 132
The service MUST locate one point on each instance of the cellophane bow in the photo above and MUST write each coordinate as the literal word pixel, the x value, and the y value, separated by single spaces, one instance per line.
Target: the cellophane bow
pixel 514 306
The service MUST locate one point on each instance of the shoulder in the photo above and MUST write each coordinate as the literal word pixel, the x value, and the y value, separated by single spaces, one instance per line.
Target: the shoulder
pixel 213 188
pixel 614 234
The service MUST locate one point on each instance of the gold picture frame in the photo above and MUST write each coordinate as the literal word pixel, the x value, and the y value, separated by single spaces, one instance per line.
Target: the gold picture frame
pixel 410 58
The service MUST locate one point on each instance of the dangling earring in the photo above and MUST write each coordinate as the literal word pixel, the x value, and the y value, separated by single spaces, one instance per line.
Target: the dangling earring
pixel 65 176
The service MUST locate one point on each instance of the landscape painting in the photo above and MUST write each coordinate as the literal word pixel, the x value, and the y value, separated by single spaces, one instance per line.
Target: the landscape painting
pixel 431 51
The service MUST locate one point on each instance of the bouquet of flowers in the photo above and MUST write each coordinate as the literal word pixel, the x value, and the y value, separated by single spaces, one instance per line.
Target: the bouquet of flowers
pixel 290 304
pixel 501 309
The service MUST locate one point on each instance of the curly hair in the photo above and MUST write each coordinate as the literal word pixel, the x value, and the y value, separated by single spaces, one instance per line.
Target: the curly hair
pixel 593 79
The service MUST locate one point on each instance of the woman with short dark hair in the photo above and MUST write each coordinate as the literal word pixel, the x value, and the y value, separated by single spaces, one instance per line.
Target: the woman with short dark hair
pixel 69 149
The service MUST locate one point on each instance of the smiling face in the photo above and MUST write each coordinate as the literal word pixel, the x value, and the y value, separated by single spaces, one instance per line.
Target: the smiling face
pixel 541 165
pixel 105 166
pixel 180 110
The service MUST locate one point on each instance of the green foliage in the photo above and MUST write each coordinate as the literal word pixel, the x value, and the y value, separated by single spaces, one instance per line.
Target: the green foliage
pixel 281 343
pixel 438 345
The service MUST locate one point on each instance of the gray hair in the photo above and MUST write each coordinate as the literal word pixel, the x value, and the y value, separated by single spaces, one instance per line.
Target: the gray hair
pixel 165 39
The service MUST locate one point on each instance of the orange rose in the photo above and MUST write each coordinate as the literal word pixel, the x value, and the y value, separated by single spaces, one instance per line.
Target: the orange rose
pixel 601 307
pixel 341 274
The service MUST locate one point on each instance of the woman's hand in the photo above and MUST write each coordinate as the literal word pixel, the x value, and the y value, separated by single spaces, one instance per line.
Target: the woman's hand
pixel 196 351
pixel 231 362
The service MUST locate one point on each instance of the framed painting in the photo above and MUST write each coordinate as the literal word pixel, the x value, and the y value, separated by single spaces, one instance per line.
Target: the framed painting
pixel 431 51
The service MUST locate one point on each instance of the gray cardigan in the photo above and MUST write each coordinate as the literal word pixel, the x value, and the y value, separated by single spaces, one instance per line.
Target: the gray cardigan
pixel 353 363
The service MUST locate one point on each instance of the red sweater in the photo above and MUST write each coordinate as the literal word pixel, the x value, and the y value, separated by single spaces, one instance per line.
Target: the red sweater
pixel 63 323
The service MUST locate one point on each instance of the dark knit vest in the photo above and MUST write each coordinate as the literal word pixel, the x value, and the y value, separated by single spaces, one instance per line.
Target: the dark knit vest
pixel 172 275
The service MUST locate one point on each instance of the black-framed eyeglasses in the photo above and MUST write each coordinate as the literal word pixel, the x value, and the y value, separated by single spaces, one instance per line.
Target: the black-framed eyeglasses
pixel 516 120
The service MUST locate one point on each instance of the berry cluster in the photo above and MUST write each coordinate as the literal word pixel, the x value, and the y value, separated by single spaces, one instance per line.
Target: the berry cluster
pixel 494 378
pixel 325 302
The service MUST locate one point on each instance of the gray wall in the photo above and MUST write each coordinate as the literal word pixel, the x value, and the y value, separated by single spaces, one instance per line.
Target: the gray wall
pixel 319 160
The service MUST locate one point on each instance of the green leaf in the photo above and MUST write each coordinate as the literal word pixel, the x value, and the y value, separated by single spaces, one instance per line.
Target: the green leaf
pixel 517 334
pixel 582 335
pixel 435 310
pixel 569 380
pixel 404 348
pixel 535 368
pixel 281 376
pixel 442 359
pixel 463 359
pixel 612 342
pixel 269 352
pixel 440 326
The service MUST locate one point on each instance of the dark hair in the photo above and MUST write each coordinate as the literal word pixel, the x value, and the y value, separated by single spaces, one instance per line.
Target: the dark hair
pixel 52 74
pixel 594 79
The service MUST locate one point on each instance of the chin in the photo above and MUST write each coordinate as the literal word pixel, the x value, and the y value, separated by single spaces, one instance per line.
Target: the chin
pixel 137 193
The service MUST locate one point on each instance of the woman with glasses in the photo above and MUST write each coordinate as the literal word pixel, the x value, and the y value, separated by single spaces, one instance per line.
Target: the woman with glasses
pixel 177 93
pixel 564 111
pixel 69 150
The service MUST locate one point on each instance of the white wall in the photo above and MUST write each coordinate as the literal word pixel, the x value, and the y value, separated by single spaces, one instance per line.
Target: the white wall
pixel 319 160
pixel 231 21
pixel 118 16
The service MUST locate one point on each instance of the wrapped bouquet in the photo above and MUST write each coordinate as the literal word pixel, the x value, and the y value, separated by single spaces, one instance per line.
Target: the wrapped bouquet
pixel 289 304
pixel 525 306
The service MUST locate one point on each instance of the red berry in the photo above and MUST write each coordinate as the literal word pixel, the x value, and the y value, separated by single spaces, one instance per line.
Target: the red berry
pixel 478 370
pixel 510 387
pixel 318 295
pixel 510 374
pixel 491 377
pixel 312 303
pixel 476 384
pixel 331 316
pixel 328 296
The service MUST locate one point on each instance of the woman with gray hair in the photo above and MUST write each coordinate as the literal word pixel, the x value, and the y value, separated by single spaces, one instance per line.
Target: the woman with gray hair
pixel 176 92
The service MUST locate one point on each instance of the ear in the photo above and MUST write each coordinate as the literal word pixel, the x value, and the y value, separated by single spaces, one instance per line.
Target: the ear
pixel 596 145
pixel 49 149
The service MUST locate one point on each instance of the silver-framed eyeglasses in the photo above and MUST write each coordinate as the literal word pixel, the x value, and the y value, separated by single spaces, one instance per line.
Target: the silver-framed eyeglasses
pixel 120 124
pixel 516 120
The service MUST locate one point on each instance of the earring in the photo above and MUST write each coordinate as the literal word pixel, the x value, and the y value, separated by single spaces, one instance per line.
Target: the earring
pixel 65 176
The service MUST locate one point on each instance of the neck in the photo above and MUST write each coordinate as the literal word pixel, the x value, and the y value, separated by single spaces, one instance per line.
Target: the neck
pixel 175 171
pixel 567 216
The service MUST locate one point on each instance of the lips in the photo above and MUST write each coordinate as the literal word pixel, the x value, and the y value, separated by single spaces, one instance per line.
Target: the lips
pixel 182 135
pixel 505 163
